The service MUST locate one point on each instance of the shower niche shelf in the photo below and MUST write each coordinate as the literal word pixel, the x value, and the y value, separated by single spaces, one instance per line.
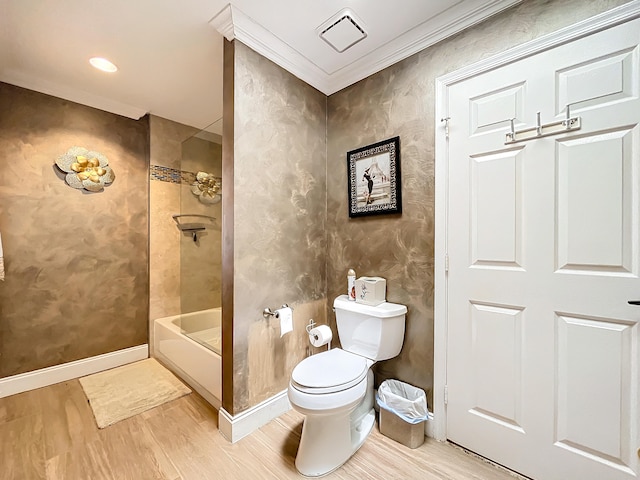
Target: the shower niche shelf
pixel 193 223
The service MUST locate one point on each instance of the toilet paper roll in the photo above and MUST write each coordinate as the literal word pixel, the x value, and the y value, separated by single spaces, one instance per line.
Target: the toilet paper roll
pixel 320 336
pixel 285 314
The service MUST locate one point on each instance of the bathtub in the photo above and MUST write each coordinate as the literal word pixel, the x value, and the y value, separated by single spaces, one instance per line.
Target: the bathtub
pixel 199 366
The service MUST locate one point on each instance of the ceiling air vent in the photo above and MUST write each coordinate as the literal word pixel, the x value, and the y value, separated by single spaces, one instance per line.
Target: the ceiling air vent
pixel 342 31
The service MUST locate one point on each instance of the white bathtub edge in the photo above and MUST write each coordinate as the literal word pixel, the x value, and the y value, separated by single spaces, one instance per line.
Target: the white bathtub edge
pixel 202 391
pixel 43 377
pixel 235 427
pixel 198 366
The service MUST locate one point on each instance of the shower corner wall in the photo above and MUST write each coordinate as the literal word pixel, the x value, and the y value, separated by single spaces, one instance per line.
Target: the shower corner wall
pixel 165 150
pixel 179 282
pixel 201 254
pixel 185 270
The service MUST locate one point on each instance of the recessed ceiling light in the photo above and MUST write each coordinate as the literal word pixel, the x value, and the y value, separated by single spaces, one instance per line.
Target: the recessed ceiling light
pixel 103 64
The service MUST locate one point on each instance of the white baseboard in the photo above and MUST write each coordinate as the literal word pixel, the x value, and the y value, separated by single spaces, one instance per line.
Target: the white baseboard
pixel 24 382
pixel 235 427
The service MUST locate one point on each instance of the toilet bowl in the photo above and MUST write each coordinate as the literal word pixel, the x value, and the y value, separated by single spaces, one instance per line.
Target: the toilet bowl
pixel 334 389
pixel 329 381
pixel 328 388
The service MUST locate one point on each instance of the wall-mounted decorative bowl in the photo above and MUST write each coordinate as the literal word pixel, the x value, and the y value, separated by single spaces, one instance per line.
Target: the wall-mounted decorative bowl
pixel 86 169
pixel 207 188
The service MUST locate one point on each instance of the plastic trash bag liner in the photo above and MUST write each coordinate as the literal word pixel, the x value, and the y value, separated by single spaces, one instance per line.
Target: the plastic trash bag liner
pixel 406 401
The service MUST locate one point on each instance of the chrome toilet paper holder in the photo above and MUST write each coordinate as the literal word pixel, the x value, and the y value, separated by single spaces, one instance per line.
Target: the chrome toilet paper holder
pixel 267 312
pixel 312 324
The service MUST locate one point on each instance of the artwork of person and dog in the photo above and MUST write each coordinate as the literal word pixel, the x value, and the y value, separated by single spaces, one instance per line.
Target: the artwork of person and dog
pixel 373 175
pixel 374 179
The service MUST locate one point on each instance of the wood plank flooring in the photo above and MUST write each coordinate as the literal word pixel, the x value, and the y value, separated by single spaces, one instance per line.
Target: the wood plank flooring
pixel 50 433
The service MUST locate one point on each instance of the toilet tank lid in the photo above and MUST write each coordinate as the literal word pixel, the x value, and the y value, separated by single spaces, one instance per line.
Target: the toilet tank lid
pixel 384 310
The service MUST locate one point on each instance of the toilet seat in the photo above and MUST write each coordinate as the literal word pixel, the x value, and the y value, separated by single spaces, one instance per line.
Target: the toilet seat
pixel 328 372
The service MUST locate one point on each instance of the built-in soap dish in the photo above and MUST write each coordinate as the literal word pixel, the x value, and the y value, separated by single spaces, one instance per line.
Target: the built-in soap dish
pixel 193 223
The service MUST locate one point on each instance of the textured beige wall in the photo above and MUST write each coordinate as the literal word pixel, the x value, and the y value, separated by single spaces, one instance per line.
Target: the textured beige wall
pixel 77 280
pixel 279 189
pixel 400 101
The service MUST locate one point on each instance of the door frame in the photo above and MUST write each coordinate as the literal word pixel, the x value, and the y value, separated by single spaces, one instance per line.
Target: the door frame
pixel 603 21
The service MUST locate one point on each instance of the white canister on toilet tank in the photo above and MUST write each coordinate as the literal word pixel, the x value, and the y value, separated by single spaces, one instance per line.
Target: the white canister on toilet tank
pixel 351 284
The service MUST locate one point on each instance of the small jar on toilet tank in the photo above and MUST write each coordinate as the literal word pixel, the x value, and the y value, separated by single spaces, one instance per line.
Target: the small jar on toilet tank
pixel 351 284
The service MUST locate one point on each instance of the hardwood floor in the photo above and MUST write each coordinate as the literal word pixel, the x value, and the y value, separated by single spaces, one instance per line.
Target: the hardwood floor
pixel 50 433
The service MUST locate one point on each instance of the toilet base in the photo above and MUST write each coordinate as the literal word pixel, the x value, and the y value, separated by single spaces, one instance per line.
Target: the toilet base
pixel 328 441
pixel 360 434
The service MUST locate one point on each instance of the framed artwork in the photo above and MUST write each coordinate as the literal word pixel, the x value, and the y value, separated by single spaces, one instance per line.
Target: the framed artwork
pixel 374 179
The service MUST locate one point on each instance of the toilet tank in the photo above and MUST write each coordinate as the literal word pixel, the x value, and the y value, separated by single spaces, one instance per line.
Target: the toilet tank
pixel 372 332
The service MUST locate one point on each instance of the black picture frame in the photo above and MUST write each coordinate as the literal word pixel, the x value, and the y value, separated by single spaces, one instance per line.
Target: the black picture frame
pixel 374 186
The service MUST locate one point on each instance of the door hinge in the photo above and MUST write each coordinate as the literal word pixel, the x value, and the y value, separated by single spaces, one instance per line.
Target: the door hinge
pixel 446 262
pixel 446 394
pixel 446 126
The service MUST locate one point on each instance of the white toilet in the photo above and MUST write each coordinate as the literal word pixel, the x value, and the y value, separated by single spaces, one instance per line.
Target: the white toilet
pixel 334 389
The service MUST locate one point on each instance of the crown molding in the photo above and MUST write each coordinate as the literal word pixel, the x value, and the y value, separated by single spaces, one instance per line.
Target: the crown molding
pixel 74 95
pixel 232 23
pixel 454 20
pixel 223 22
pixel 610 18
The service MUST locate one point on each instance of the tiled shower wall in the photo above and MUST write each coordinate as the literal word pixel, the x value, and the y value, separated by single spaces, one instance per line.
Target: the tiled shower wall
pixel 165 140
pixel 185 275
pixel 201 260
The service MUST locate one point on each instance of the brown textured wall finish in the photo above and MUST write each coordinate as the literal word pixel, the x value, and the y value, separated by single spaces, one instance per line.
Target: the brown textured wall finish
pixel 77 264
pixel 77 280
pixel 279 244
pixel 284 241
pixel 400 101
pixel 228 143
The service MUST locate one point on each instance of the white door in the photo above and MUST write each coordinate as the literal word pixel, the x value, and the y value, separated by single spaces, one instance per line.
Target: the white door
pixel 543 239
